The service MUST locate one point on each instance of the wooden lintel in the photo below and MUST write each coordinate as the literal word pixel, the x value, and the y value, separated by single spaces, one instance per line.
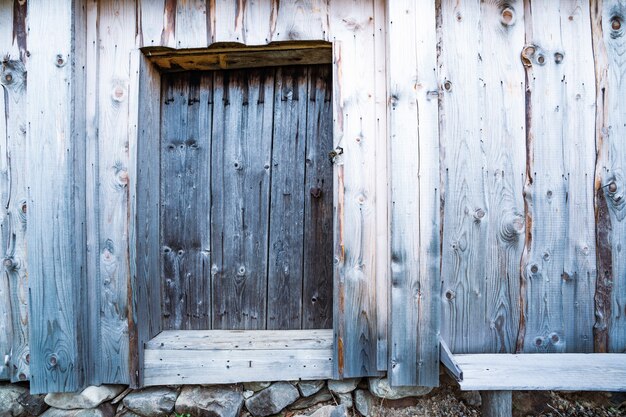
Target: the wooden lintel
pixel 236 56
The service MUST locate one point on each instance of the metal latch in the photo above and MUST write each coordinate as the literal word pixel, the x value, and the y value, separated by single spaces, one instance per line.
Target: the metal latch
pixel 334 153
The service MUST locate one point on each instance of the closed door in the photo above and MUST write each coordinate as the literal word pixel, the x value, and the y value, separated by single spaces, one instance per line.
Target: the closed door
pixel 246 199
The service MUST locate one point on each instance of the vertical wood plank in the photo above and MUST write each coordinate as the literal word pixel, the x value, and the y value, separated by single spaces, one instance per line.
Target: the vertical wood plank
pixel 151 14
pixel 145 251
pixel 13 226
pixel 318 211
pixel 557 272
pixel 300 20
pixel 229 20
pixel 185 193
pixel 352 29
pixel 609 17
pixel 240 185
pixel 191 24
pixel 483 173
pixel 56 243
pixel 286 242
pixel 116 40
pixel 414 149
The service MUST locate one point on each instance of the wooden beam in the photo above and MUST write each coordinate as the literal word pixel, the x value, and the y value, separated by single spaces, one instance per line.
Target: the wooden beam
pixel 414 170
pixel 447 359
pixel 56 205
pixel 497 403
pixel 234 56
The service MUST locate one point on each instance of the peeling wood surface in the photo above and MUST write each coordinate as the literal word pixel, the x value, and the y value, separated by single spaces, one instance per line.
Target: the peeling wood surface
pixel 483 167
pixel 610 299
pixel 414 170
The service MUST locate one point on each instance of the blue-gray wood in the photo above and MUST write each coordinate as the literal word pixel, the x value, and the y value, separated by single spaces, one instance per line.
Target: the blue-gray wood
pixel 56 211
pixel 14 206
pixel 145 272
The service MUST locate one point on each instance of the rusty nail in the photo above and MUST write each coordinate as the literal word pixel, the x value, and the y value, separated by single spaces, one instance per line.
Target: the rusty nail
pixel 612 187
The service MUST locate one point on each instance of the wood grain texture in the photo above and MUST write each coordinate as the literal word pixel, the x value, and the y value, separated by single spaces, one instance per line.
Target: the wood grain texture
pixel 558 266
pixel 116 40
pixel 191 23
pixel 14 212
pixel 240 185
pixel 186 200
pixel 286 216
pixel 151 15
pixel 317 280
pixel 560 372
pixel 496 403
pixel 483 159
pixel 302 19
pixel 145 320
pixel 610 298
pixel 55 213
pixel 414 213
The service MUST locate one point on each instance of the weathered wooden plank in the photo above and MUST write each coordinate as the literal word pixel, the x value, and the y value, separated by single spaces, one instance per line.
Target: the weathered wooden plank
pixel 151 15
pixel 484 168
pixel 382 185
pixel 185 195
pixel 610 298
pixel 497 403
pixel 448 361
pixel 145 250
pixel 354 130
pixel 228 21
pixel 560 372
pixel 240 184
pixel 413 119
pixel 56 244
pixel 217 57
pixel 116 40
pixel 298 20
pixel 191 23
pixel 317 284
pixel 243 340
pixel 286 217
pixel 557 307
pixel 13 226
pixel 228 366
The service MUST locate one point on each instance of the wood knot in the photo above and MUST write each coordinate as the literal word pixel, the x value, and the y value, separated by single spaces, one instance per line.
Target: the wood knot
pixel 528 52
pixel 616 23
pixel 479 214
pixel 119 93
pixel 52 360
pixel 558 57
pixel 507 16
pixel 450 295
pixel 447 85
pixel 9 263
pixel 612 187
pixel 59 61
pixel 534 268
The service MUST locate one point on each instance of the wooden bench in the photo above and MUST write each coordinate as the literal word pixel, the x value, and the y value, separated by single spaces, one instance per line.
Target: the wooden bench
pixel 497 375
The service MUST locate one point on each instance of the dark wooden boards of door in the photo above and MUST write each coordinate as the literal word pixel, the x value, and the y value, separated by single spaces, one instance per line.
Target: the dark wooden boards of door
pixel 246 199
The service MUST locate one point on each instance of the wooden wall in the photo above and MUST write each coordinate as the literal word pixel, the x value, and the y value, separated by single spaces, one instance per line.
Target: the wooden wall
pixel 482 142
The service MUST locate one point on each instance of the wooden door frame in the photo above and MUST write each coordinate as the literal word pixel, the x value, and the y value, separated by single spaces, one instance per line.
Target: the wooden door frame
pixel 147 65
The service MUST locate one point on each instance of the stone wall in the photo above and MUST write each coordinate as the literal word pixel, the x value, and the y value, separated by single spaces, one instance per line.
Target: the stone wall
pixel 258 399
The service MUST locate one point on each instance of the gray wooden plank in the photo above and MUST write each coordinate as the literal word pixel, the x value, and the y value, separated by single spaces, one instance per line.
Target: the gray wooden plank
pixel 560 371
pixel 185 194
pixel 484 166
pixel 191 23
pixel 14 207
pixel 56 245
pixel 414 166
pixel 351 28
pixel 151 15
pixel 610 60
pixel 242 340
pixel 286 239
pixel 317 285
pixel 227 366
pixel 240 185
pixel 145 320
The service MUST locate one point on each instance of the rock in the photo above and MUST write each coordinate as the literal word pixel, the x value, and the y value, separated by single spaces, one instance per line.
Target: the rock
pixel 9 394
pixel 329 411
pixel 105 410
pixel 343 386
pixel 363 401
pixel 272 399
pixel 308 388
pixel 151 402
pixel 211 401
pixel 33 404
pixel 90 397
pixel 127 413
pixel 472 398
pixel 345 399
pixel 256 386
pixel 380 388
pixel 248 394
pixel 307 402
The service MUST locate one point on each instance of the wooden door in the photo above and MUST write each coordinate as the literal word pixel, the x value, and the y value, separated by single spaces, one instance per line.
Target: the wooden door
pixel 246 199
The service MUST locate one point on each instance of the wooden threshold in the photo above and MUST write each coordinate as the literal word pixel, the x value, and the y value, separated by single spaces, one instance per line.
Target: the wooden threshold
pixel 230 356
pixel 539 371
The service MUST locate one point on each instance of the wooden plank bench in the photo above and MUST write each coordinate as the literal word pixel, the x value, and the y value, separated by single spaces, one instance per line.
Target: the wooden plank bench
pixel 497 375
